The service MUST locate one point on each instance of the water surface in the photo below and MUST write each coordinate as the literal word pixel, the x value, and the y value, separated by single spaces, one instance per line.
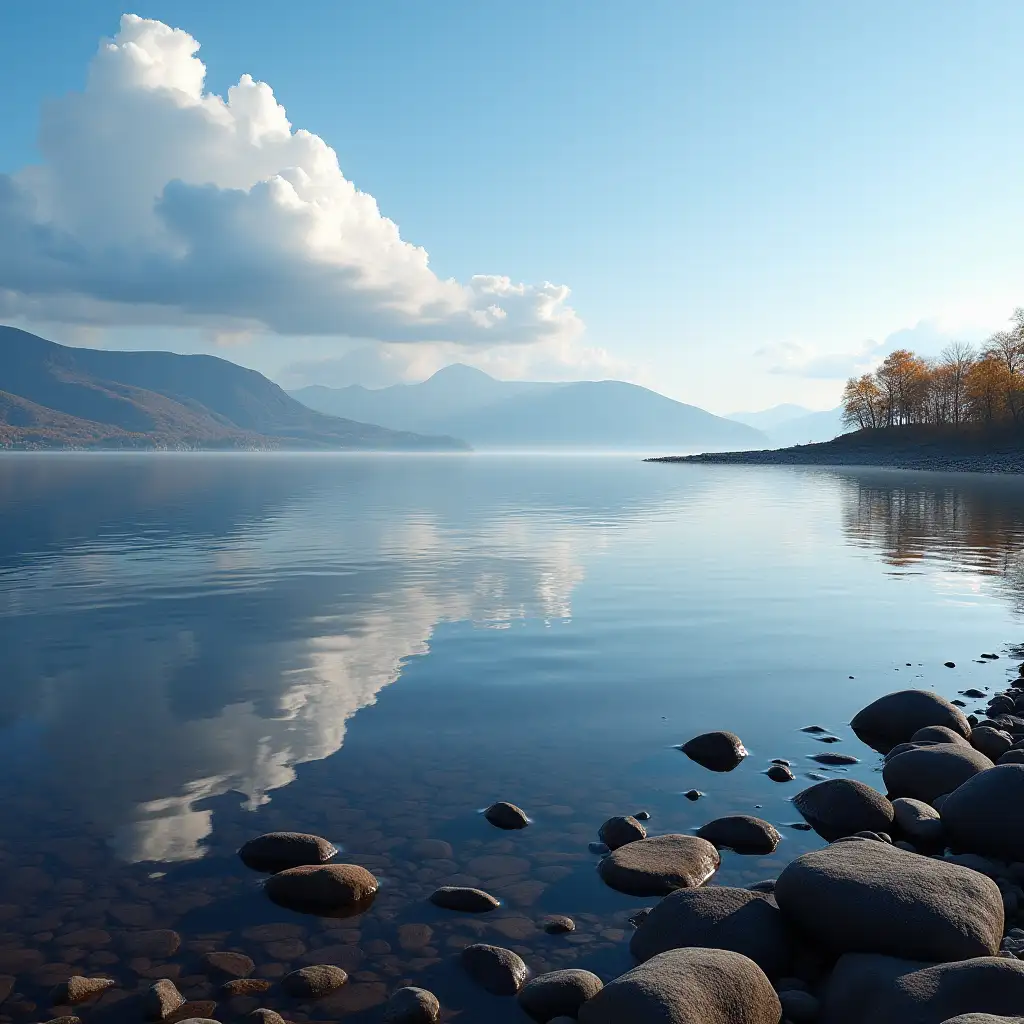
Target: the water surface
pixel 200 648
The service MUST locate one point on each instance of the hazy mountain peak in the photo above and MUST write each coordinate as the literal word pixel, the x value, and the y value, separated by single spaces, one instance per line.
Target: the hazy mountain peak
pixel 459 373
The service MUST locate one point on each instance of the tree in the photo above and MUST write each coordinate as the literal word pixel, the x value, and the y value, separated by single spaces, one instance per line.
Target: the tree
pixel 955 363
pixel 863 405
pixel 986 388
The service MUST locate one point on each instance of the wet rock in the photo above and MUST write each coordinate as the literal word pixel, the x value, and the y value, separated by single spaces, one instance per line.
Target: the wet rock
pixel 6 985
pixel 918 821
pixel 687 986
pixel 500 971
pixel 873 898
pixel 716 751
pixel 245 987
pixel 264 1016
pixel 717 917
pixel 232 965
pixel 558 993
pixel 414 936
pixel 993 743
pixel 834 759
pixel 693 794
pixel 412 1006
pixel 937 734
pixel 1012 757
pixel 974 693
pixel 766 885
pixel 314 982
pixel 742 833
pixel 157 944
pixel 507 816
pixel 895 718
pixel 885 990
pixel 780 773
pixel 983 1018
pixel 558 924
pixel 277 851
pixel 798 1006
pixel 616 832
pixel 659 865
pixel 983 815
pixel 928 772
pixel 431 849
pixel 843 807
pixel 161 1000
pixel 273 932
pixel 464 899
pixel 642 815
pixel 65 1020
pixel 326 888
pixel 599 848
pixel 78 989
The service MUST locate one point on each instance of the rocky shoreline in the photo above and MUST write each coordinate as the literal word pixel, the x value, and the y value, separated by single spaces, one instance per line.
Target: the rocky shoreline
pixel 914 911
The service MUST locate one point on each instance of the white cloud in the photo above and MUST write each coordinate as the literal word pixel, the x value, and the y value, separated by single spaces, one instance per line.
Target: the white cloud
pixel 159 203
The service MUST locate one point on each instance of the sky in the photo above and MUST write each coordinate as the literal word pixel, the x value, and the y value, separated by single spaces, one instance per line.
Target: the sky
pixel 737 204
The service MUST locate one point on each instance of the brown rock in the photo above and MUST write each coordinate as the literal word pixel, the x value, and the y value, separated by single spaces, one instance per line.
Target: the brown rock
pixel 158 943
pixel 274 932
pixel 412 1006
pixel 414 936
pixel 78 989
pixel 265 1016
pixel 162 1000
pixel 464 899
pixel 277 851
pixel 659 865
pixel 507 816
pixel 314 982
pixel 245 987
pixel 326 888
pixel 233 965
pixel 500 971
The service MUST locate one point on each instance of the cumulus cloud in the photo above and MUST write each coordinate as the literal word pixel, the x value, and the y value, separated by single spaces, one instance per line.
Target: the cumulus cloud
pixel 157 202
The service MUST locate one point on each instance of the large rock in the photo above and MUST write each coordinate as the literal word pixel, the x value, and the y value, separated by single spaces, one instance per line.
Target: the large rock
pixel 558 994
pixel 717 917
pixel 742 833
pixel 895 718
pixel 986 814
pixel 717 751
pixel 276 851
pixel 161 1000
pixel 993 743
pixel 314 982
pixel 500 971
pixel 507 816
pixel 938 734
pixel 927 772
pixel 918 821
pixel 884 990
pixel 843 807
pixel 464 899
pixel 412 1005
pixel 77 989
pixel 618 831
pixel 687 986
pixel 660 865
pixel 323 889
pixel 867 897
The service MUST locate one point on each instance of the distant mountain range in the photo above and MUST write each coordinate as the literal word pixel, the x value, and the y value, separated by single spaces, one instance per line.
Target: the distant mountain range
pixel 53 396
pixel 465 402
pixel 787 425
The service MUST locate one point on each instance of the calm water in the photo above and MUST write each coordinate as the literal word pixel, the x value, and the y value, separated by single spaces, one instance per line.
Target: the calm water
pixel 198 649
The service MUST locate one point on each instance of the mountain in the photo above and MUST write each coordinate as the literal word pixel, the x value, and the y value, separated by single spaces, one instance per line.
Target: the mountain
pixel 787 425
pixel 52 396
pixel 491 413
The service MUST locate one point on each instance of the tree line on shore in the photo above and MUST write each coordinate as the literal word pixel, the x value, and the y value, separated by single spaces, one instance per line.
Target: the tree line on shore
pixel 964 386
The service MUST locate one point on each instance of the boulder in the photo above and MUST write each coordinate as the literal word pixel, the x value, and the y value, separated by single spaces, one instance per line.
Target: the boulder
pixel 229 965
pixel 616 832
pixel 993 743
pixel 558 994
pixel 717 917
pixel 78 989
pixel 928 772
pixel 938 734
pixel 917 820
pixel 1015 756
pixel 895 718
pixel 742 833
pixel 884 990
pixel 507 816
pixel 314 982
pixel 687 986
pixel 984 814
pixel 276 851
pixel 798 1006
pixel 264 1016
pixel 865 897
pixel 466 900
pixel 659 865
pixel 161 1000
pixel 323 888
pixel 558 924
pixel 843 807
pixel 500 971
pixel 412 1005
pixel 717 751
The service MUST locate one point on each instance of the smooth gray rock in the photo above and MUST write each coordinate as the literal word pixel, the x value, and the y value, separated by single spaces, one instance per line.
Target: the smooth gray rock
pixel 843 807
pixel 984 815
pixel 659 865
pixel 276 851
pixel 928 772
pixel 716 751
pixel 618 831
pixel 1015 756
pixel 717 917
pixel 742 833
pixel 411 1005
pixel 464 899
pixel 799 1007
pixel 895 718
pixel 867 897
pixel 866 989
pixel 687 986
pixel 322 888
pixel 938 734
pixel 918 820
pixel 993 743
pixel 558 994
pixel 507 816
pixel 500 971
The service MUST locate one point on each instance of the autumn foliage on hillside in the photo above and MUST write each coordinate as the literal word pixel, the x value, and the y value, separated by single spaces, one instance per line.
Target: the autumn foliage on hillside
pixel 963 387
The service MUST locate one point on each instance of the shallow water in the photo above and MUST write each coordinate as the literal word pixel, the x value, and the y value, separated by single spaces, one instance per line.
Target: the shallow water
pixel 199 649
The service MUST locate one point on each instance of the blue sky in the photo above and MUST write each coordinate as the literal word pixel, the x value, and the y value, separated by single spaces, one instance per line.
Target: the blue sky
pixel 747 201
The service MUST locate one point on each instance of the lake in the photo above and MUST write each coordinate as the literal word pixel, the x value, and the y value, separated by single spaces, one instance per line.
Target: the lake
pixel 202 648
